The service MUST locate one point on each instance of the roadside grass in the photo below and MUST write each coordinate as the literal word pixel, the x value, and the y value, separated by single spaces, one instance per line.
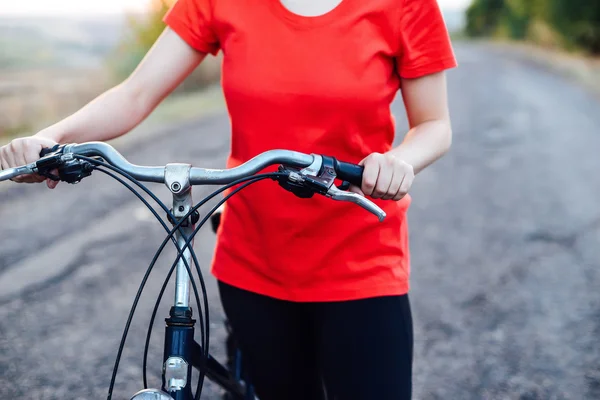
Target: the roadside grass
pixel 574 65
pixel 578 66
pixel 176 108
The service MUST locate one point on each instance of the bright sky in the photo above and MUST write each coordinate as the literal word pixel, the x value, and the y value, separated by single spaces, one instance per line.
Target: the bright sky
pixel 91 7
pixel 58 7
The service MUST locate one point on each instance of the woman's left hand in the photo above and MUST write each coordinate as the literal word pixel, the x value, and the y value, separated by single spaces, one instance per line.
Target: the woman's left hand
pixel 385 177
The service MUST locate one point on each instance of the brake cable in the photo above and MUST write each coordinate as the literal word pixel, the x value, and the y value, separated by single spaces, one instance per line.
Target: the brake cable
pixel 251 179
pixel 254 179
pixel 204 322
pixel 146 276
pixel 77 172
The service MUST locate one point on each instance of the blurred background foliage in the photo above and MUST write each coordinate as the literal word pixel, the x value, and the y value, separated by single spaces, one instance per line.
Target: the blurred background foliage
pixel 50 66
pixel 141 32
pixel 570 24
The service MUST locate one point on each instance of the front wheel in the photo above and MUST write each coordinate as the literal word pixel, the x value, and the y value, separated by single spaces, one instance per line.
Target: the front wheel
pixel 151 394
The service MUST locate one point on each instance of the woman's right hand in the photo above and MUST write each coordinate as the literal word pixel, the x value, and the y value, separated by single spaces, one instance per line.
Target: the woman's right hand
pixel 23 151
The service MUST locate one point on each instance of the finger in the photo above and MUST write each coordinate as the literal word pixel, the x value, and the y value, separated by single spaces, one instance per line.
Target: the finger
pixel 355 189
pixel 29 178
pixel 26 179
pixel 404 187
pixel 392 190
pixel 397 177
pixel 10 157
pixel 389 194
pixel 31 153
pixel 51 184
pixel 45 142
pixel 9 161
pixel 384 179
pixel 400 193
pixel 35 178
pixel 18 147
pixel 370 175
pixel 23 179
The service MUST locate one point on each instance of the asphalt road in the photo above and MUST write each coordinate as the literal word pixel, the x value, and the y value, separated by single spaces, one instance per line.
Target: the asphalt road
pixel 504 237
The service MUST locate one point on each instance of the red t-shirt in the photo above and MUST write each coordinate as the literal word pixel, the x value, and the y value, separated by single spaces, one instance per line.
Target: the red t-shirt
pixel 322 85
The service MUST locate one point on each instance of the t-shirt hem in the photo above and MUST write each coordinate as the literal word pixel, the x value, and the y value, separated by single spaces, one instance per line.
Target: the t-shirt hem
pixel 316 294
pixel 428 68
pixel 181 29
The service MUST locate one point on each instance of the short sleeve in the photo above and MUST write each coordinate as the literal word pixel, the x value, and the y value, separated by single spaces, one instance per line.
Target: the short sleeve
pixel 425 46
pixel 192 20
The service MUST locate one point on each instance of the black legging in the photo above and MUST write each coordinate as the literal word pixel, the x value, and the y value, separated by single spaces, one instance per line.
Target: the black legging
pixel 351 350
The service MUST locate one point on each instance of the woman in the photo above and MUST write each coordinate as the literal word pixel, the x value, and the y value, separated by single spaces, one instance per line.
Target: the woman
pixel 316 291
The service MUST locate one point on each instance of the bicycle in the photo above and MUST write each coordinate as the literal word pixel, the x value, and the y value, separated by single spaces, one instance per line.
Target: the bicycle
pixel 302 174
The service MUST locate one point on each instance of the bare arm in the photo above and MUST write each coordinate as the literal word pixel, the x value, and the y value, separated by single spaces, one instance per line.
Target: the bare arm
pixel 123 107
pixel 390 175
pixel 430 134
pixel 116 111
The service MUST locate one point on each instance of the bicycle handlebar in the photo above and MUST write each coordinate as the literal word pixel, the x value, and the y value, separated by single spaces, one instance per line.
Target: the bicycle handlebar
pixel 14 172
pixel 198 176
pixel 348 172
pixel 311 166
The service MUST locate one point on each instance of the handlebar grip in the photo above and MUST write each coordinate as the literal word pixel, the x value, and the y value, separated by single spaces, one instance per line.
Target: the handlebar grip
pixel 47 150
pixel 348 172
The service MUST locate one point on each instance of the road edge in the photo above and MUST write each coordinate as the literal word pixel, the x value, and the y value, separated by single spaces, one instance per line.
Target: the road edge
pixel 580 69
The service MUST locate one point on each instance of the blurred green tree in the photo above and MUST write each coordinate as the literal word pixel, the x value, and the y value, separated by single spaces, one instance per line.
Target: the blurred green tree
pixel 576 21
pixel 142 32
pixel 483 17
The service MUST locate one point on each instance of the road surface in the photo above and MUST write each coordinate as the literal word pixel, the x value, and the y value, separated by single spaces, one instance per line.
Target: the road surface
pixel 504 237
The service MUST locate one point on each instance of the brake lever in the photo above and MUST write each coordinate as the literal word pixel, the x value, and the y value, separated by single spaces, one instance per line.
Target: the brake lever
pixel 337 194
pixel 70 169
pixel 319 178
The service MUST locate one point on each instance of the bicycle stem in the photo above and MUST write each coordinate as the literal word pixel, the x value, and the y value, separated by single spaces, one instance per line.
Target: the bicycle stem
pixel 177 180
pixel 177 366
pixel 181 352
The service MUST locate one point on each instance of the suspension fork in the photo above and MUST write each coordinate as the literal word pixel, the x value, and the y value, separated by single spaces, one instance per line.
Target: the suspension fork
pixel 179 336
